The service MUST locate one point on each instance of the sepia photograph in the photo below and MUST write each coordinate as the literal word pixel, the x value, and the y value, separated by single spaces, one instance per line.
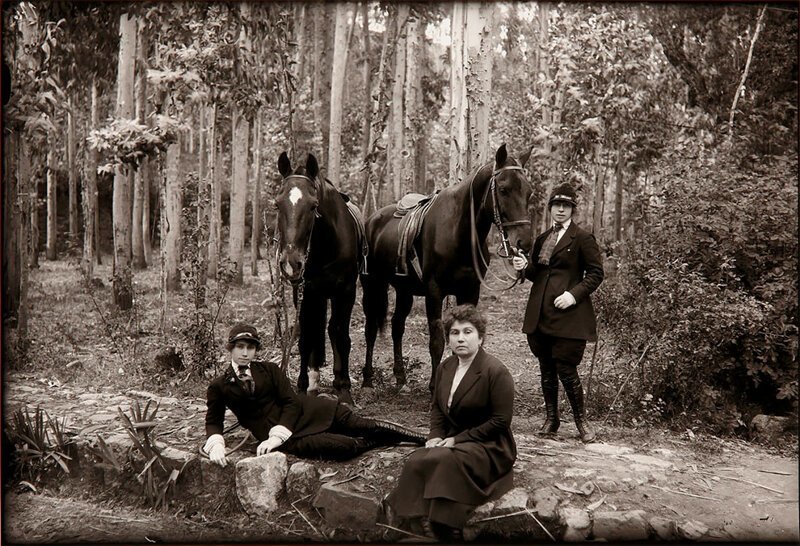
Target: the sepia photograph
pixel 399 272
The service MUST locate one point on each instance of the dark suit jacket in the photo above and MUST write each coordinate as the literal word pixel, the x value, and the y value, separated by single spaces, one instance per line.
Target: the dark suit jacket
pixel 480 412
pixel 273 402
pixel 576 266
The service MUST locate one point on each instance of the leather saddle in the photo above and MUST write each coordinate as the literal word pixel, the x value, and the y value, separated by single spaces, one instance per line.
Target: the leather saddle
pixel 411 210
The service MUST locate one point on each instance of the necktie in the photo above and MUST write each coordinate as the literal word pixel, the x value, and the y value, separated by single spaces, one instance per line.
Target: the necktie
pixel 549 244
pixel 246 379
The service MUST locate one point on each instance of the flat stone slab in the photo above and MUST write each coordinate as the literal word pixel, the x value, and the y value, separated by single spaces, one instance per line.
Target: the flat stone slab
pixel 630 525
pixel 647 460
pixel 608 449
pixel 347 509
pixel 260 481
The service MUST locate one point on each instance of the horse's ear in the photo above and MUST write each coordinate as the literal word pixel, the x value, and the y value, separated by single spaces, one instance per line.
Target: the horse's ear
pixel 312 167
pixel 501 156
pixel 524 158
pixel 284 165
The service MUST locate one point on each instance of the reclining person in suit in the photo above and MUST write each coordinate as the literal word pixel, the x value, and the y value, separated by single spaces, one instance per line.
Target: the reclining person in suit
pixel 260 396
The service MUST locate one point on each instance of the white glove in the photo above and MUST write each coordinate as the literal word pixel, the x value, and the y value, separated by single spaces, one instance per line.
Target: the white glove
pixel 565 300
pixel 519 262
pixel 433 442
pixel 215 448
pixel 268 445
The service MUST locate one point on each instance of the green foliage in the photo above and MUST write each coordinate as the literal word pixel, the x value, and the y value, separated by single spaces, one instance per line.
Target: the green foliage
pixel 713 285
pixel 124 142
pixel 157 476
pixel 41 443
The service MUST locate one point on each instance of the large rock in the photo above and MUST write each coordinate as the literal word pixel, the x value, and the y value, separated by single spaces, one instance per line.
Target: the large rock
pixel 259 482
pixel 663 528
pixel 692 530
pixel 493 520
pixel 630 525
pixel 545 503
pixel 576 524
pixel 347 509
pixel 771 427
pixel 302 481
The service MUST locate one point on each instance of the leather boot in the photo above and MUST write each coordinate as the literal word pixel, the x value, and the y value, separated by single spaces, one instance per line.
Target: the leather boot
pixel 574 390
pixel 550 392
pixel 445 533
pixel 392 434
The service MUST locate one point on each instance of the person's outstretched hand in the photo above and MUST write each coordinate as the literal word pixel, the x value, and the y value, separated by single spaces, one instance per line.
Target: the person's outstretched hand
pixel 217 455
pixel 268 445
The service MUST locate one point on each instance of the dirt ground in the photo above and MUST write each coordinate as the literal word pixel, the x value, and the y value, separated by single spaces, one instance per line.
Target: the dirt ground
pixel 741 491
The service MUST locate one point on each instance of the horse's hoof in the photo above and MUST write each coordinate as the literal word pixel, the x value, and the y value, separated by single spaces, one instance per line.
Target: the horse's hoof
pixel 345 397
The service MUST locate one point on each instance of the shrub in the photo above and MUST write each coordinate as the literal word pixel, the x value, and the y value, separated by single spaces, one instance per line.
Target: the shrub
pixel 713 286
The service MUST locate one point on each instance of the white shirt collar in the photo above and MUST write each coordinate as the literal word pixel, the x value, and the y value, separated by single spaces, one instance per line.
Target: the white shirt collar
pixel 235 368
pixel 565 224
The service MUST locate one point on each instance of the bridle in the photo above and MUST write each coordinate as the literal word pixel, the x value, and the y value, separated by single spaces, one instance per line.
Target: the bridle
pixel 299 285
pixel 505 249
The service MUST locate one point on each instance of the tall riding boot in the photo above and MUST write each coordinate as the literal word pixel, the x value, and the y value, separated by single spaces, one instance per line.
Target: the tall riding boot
pixel 574 390
pixel 392 434
pixel 550 392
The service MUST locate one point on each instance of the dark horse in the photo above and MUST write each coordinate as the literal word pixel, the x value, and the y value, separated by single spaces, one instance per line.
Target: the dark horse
pixel 455 227
pixel 319 241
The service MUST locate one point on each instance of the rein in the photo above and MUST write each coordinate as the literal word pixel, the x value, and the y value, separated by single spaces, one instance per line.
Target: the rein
pixel 505 250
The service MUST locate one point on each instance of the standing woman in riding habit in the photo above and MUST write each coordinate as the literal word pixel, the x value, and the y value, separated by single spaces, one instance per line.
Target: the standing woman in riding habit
pixel 565 267
pixel 470 451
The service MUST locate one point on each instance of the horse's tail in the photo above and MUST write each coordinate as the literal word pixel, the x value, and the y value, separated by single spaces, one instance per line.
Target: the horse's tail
pixel 375 302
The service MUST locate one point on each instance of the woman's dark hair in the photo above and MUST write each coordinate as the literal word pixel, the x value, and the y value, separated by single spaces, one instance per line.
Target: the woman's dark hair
pixel 464 313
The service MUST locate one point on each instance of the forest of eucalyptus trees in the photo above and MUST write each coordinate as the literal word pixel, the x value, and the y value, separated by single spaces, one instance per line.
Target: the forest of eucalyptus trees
pixel 677 124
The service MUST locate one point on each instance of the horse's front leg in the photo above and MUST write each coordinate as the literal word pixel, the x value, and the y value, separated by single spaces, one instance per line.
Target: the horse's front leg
pixel 312 344
pixel 433 310
pixel 339 333
pixel 404 300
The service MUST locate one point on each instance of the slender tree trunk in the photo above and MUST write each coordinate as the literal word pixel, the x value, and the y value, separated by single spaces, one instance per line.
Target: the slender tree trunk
pixel 459 115
pixel 173 205
pixel 479 39
pixel 740 88
pixel 255 224
pixel 318 15
pixel 412 107
pixel 139 191
pixel 300 39
pixel 203 204
pixel 337 90
pixel 322 101
pixel 90 194
pixel 51 250
pixel 24 242
pixel 239 147
pixel 396 151
pixel 618 189
pixel 123 278
pixel 72 168
pixel 215 195
pixel 367 79
pixel 39 170
pixel 599 195
pixel 11 225
pixel 544 88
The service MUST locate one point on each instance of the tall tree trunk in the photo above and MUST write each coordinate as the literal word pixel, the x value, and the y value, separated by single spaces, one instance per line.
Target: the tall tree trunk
pixel 239 148
pixel 599 193
pixel 255 224
pixel 51 250
pixel 544 88
pixel 11 224
pixel 459 115
pixel 24 242
pixel 367 81
pixel 38 171
pixel 203 205
pixel 90 194
pixel 139 191
pixel 123 278
pixel 396 151
pixel 322 76
pixel 72 168
pixel 214 220
pixel 300 40
pixel 337 90
pixel 412 106
pixel 618 188
pixel 173 205
pixel 479 40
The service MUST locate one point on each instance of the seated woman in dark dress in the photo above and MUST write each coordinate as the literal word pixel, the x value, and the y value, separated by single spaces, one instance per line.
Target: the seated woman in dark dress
pixel 468 457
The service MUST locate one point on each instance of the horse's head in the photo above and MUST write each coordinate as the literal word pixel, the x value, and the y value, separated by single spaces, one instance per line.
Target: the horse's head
pixel 296 203
pixel 512 192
